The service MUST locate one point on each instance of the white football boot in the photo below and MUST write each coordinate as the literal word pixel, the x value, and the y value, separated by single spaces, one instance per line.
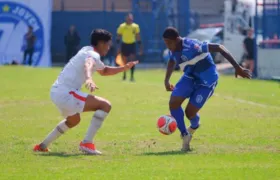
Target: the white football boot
pixel 186 142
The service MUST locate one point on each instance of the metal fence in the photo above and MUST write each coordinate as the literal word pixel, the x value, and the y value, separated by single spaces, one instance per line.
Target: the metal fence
pixel 153 16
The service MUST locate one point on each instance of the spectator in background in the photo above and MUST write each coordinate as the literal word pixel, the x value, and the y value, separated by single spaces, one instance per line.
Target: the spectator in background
pixel 129 33
pixel 29 44
pixel 248 45
pixel 71 41
pixel 233 6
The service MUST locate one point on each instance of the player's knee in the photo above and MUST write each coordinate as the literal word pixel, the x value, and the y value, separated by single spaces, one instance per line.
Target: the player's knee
pixel 106 106
pixel 190 114
pixel 173 104
pixel 73 121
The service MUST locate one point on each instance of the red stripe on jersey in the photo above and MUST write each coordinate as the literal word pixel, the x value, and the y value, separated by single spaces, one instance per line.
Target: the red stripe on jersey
pixel 77 96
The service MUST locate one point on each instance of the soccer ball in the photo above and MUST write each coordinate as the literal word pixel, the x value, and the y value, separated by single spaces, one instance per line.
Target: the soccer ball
pixel 166 124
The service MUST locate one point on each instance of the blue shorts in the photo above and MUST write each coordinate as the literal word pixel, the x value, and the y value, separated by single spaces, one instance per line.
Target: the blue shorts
pixel 198 94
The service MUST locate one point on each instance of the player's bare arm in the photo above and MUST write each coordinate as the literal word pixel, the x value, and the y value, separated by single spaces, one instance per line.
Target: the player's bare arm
pixel 89 64
pixel 238 69
pixel 109 70
pixel 169 70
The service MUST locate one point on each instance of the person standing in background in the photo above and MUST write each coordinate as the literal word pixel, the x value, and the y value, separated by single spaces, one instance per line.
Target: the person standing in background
pixel 29 42
pixel 71 41
pixel 129 32
pixel 248 44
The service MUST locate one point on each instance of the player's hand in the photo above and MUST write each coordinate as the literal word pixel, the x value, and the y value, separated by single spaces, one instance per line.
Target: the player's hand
pixel 90 85
pixel 168 86
pixel 129 65
pixel 245 73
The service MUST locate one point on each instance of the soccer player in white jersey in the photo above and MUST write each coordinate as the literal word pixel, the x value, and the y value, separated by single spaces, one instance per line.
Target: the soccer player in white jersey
pixel 66 94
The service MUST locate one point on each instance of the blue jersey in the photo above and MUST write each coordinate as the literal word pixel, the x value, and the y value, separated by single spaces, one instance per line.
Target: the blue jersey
pixel 196 62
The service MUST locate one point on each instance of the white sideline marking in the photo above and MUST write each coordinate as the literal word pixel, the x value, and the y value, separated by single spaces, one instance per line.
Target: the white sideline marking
pixel 246 101
pixel 228 98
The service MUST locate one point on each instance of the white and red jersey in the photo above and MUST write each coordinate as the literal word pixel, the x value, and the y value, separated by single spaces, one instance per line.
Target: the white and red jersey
pixel 73 74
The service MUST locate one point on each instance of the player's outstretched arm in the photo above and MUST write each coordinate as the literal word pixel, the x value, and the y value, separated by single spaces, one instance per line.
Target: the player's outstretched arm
pixel 88 66
pixel 245 73
pixel 109 70
pixel 169 70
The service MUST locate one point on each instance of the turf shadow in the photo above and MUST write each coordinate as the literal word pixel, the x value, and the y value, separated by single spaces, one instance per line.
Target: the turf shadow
pixel 60 154
pixel 164 153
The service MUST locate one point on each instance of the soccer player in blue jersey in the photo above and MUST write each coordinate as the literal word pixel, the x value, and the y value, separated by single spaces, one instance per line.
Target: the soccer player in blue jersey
pixel 199 80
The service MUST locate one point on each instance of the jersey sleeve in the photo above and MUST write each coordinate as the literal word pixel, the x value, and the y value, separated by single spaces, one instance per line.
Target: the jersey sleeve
pixel 97 63
pixel 137 29
pixel 200 47
pixel 120 30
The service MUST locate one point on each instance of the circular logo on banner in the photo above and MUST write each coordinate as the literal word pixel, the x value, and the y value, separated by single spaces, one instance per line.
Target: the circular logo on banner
pixel 15 18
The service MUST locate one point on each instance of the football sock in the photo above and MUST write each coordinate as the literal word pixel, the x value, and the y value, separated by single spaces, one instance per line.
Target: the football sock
pixel 178 114
pixel 56 132
pixel 95 124
pixel 195 122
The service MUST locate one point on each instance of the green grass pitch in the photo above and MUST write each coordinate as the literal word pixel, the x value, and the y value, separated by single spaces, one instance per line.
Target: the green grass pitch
pixel 239 137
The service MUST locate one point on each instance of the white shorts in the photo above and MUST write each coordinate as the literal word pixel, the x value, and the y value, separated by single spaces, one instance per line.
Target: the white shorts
pixel 69 102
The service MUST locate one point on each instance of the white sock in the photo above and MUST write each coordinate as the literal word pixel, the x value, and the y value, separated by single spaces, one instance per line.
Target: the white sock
pixel 95 124
pixel 56 132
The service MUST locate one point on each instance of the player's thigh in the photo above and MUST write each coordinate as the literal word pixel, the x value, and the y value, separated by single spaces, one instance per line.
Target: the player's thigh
pixel 198 99
pixel 94 103
pixel 182 90
pixel 69 103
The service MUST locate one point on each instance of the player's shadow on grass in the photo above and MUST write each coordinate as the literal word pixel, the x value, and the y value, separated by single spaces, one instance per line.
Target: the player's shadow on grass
pixel 60 154
pixel 164 153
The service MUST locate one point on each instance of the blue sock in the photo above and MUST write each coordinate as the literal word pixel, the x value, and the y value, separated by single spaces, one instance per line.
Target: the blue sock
pixel 178 114
pixel 195 122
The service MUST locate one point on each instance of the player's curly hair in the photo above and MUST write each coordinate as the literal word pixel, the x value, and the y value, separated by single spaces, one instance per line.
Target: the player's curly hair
pixel 99 35
pixel 170 33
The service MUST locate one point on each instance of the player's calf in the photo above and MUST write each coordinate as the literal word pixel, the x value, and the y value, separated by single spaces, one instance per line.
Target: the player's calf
pixel 60 129
pixel 192 115
pixel 178 113
pixel 102 107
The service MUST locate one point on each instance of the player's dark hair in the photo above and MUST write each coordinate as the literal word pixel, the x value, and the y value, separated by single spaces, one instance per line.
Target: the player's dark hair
pixel 170 33
pixel 99 35
pixel 129 14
